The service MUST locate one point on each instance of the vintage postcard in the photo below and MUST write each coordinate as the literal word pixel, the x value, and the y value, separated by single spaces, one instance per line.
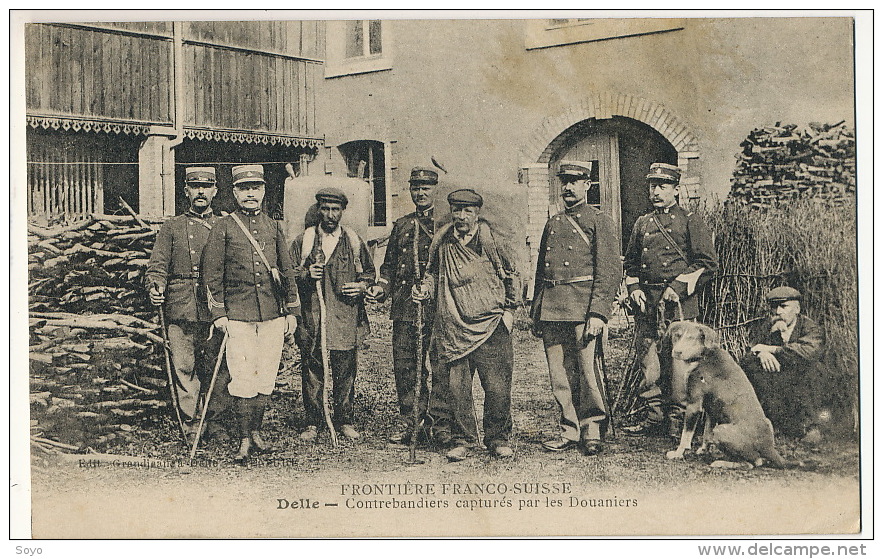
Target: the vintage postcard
pixel 625 246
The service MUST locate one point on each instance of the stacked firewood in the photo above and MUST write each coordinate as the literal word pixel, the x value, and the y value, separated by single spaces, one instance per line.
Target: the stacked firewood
pixel 95 345
pixel 780 163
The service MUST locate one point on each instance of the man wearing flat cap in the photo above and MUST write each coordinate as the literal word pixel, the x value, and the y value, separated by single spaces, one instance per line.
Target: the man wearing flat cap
pixel 670 255
pixel 783 363
pixel 397 277
pixel 336 256
pixel 249 280
pixel 578 273
pixel 173 280
pixel 475 287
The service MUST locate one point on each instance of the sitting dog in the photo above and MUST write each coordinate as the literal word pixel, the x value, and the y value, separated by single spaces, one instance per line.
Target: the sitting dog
pixel 718 385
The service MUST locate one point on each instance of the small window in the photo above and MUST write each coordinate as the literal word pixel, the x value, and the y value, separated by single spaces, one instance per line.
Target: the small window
pixel 356 47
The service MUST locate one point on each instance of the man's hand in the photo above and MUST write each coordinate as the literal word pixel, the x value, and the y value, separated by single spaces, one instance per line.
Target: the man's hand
pixel 419 293
pixel 593 328
pixel 376 293
pixel 157 297
pixel 221 323
pixel 639 299
pixel 353 288
pixel 765 348
pixel 670 295
pixel 508 320
pixel 290 323
pixel 769 362
pixel 317 271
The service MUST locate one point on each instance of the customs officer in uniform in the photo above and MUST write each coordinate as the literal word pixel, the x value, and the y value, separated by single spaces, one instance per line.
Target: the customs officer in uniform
pixel 397 278
pixel 476 289
pixel 338 257
pixel 670 255
pixel 249 280
pixel 578 273
pixel 173 280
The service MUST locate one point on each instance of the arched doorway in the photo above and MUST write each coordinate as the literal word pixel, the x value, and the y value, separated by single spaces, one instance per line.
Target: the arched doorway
pixel 622 150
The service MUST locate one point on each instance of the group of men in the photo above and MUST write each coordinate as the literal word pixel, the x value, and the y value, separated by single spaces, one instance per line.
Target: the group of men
pixel 233 284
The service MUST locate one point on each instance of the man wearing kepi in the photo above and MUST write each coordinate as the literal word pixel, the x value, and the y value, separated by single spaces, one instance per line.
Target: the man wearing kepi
pixel 336 256
pixel 578 272
pixel 173 280
pixel 397 278
pixel 249 280
pixel 476 288
pixel 669 256
pixel 784 364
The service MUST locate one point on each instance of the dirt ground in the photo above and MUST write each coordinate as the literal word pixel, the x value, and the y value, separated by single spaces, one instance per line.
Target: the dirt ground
pixel 368 488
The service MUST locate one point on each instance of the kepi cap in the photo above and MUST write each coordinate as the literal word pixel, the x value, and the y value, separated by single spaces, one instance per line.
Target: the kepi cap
pixel 783 293
pixel 248 173
pixel 575 170
pixel 423 175
pixel 465 197
pixel 331 194
pixel 200 175
pixel 664 172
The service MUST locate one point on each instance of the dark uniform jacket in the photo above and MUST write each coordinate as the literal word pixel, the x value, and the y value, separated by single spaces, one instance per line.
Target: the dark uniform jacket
pixel 397 275
pixel 237 282
pixel 576 279
pixel 347 320
pixel 651 260
pixel 174 265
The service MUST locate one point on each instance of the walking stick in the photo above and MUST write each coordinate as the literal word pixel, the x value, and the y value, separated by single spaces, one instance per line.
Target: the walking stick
pixel 208 395
pixel 173 386
pixel 601 362
pixel 327 381
pixel 412 447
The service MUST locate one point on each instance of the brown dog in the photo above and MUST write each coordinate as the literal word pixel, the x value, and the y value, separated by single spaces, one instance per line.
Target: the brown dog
pixel 716 383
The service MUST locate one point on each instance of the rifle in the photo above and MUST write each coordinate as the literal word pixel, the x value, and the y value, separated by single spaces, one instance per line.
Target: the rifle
pixel 208 394
pixel 327 380
pixel 173 385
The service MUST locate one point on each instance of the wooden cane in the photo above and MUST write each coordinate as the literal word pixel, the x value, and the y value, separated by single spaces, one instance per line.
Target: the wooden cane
pixel 327 381
pixel 412 447
pixel 208 395
pixel 173 386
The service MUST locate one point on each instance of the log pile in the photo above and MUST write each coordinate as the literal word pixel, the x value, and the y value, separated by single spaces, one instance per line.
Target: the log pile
pixel 95 345
pixel 780 163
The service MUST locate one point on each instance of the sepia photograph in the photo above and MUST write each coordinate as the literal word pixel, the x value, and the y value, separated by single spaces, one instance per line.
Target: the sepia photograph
pixel 441 274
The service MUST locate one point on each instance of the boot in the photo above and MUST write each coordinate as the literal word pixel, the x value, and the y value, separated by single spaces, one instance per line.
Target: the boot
pixel 259 406
pixel 244 419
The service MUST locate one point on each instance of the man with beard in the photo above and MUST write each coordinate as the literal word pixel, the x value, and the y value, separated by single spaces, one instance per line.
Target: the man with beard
pixel 172 279
pixel 475 284
pixel 784 365
pixel 670 255
pixel 337 257
pixel 397 278
pixel 249 281
pixel 578 272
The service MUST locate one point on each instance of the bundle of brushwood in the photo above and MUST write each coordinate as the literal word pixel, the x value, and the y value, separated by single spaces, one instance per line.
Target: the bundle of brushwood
pixel 781 162
pixel 95 342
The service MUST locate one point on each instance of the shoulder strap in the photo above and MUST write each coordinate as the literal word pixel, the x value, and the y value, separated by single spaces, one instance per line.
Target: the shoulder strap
pixel 580 230
pixel 356 245
pixel 668 238
pixel 491 248
pixel 253 242
pixel 306 244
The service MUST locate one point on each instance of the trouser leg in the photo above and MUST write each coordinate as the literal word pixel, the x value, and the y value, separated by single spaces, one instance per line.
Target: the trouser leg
pixel 440 395
pixel 220 400
pixel 343 367
pixel 493 360
pixel 464 428
pixel 312 383
pixel 590 404
pixel 561 364
pixel 183 345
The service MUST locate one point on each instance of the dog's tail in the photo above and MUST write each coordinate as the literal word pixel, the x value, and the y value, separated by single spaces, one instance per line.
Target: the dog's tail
pixel 776 460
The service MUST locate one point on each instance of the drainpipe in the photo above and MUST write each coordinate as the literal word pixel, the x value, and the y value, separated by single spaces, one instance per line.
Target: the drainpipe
pixel 176 98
